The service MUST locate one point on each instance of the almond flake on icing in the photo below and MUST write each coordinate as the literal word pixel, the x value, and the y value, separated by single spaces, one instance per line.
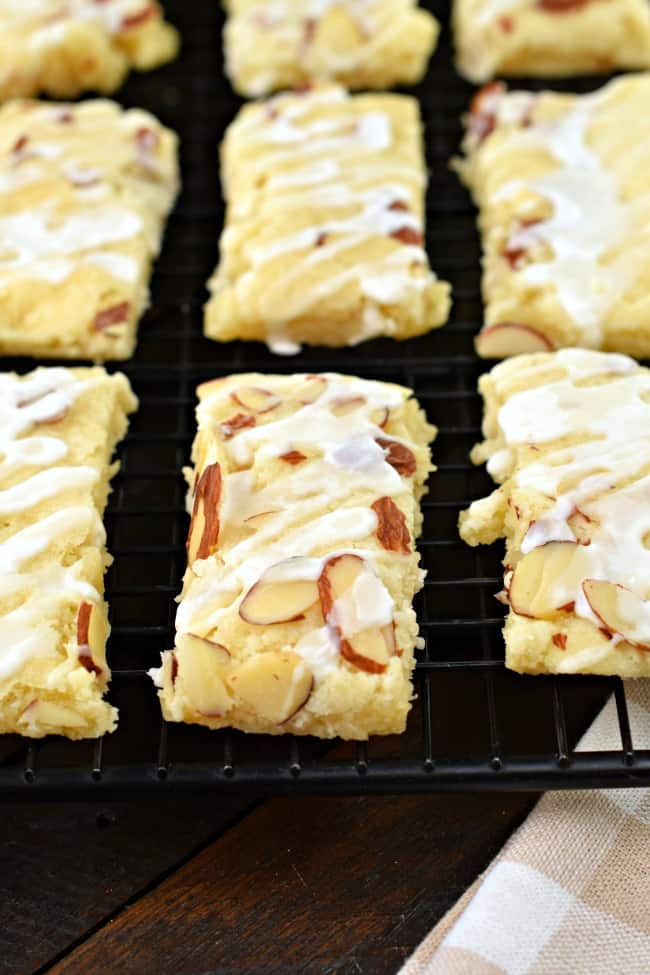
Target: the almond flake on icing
pixel 608 466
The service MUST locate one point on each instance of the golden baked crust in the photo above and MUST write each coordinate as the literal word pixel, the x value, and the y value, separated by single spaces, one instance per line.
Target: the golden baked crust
pixel 562 183
pixel 84 193
pixel 361 43
pixel 323 241
pixel 296 612
pixel 64 49
pixel 542 38
pixel 59 429
pixel 567 438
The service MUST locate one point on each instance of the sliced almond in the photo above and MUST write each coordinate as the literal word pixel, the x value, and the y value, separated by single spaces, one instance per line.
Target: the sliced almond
pixel 582 526
pixel 293 457
pixel 371 649
pixel 380 416
pixel 342 405
pixel 546 580
pixel 200 676
pixel 92 633
pixel 398 456
pixel 204 525
pixel 483 109
pixel 236 423
pixel 275 684
pixel 261 518
pixel 274 599
pixel 338 575
pixel 510 338
pixel 191 643
pixel 392 531
pixel 620 611
pixel 255 400
pixel 114 315
pixel 312 390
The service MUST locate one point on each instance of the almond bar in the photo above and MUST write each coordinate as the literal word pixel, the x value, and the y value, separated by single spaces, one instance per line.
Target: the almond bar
pixel 59 430
pixel 567 438
pixel 296 612
pixel 84 193
pixel 562 183
pixel 324 241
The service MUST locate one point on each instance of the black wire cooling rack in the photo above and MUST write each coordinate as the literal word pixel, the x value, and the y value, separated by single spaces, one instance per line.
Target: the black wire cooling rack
pixel 474 725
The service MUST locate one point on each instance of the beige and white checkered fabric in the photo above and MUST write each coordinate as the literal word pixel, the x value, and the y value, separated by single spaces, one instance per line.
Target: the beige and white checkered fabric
pixel 569 894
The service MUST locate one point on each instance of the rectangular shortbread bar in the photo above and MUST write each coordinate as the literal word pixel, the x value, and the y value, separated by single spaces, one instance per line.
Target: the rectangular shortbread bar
pixel 541 38
pixel 296 612
pixel 84 192
pixel 361 43
pixel 563 187
pixel 59 429
pixel 324 229
pixel 65 48
pixel 567 437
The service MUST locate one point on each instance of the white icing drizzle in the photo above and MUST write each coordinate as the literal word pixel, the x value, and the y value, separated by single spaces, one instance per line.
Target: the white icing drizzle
pixel 26 406
pixel 31 242
pixel 589 220
pixel 297 537
pixel 48 26
pixel 338 163
pixel 604 476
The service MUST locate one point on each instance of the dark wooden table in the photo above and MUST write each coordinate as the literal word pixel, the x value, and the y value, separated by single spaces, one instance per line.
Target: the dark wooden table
pixel 197 887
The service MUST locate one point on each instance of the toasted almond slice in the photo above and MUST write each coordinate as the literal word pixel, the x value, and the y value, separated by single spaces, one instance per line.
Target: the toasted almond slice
pixel 339 573
pixel 204 525
pixel 275 684
pixel 582 526
pixel 92 633
pixel 342 405
pixel 255 400
pixel 191 643
pixel 236 423
pixel 620 611
pixel 293 457
pixel 261 518
pixel 399 456
pixel 371 649
pixel 380 416
pixel 274 599
pixel 312 390
pixel 199 674
pixel 546 580
pixel 392 531
pixel 510 338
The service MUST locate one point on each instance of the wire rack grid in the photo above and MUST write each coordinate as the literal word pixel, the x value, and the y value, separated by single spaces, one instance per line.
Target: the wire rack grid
pixel 474 725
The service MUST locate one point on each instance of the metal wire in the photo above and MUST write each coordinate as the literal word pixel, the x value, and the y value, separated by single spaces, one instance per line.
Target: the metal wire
pixel 474 725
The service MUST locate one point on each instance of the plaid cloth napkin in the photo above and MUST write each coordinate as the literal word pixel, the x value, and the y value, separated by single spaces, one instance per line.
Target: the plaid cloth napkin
pixel 569 894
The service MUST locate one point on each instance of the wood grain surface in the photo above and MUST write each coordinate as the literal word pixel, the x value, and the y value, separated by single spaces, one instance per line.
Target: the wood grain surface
pixel 302 886
pixel 64 868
